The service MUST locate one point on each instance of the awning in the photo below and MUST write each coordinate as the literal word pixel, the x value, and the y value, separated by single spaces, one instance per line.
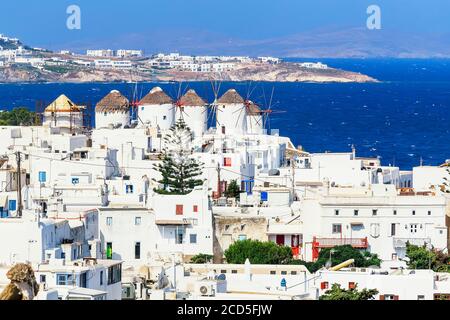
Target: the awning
pixel 3 201
pixel 172 222
pixel 356 223
pixel 285 229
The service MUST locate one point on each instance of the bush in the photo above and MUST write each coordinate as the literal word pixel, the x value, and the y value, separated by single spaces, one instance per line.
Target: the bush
pixel 258 253
pixel 233 190
pixel 201 258
pixel 337 293
pixel 17 117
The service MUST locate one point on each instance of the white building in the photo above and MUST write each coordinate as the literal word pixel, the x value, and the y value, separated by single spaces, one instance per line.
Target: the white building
pixel 157 110
pixel 113 110
pixel 100 53
pixel 231 117
pixel 194 111
pixel 63 116
pixel 129 53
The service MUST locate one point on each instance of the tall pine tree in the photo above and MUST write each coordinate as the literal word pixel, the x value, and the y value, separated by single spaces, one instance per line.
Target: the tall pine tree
pixel 179 170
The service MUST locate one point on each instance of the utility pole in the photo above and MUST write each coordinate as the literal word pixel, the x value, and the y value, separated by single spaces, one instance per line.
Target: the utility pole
pixel 219 191
pixel 19 184
pixel 293 177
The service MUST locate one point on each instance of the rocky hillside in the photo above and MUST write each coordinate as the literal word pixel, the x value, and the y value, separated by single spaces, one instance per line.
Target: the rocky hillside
pixel 284 72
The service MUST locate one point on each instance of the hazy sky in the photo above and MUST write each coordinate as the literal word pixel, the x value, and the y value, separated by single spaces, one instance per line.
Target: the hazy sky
pixel 44 22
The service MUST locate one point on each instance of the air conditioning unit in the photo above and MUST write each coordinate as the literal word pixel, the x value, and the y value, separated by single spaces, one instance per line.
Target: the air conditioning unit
pixel 206 288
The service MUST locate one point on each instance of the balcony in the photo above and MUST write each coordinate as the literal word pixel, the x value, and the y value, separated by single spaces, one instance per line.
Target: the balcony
pixel 401 242
pixel 360 243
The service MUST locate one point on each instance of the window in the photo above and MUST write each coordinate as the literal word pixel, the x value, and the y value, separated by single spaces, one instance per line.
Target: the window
pixel 293 273
pixel 109 221
pixel 337 228
pixel 395 212
pixel 234 271
pixel 179 235
pixel 392 229
pixel 336 212
pixel 115 274
pixel 137 250
pixel 429 212
pixel 324 285
pixel 223 130
pixel 43 278
pixel 388 297
pixel 413 227
pixel 223 271
pixel 242 237
pixel 283 273
pixel 374 212
pixel 137 221
pixel 101 278
pixel 164 117
pixel 414 212
pixel 195 209
pixel 83 280
pixel 351 285
pixel 179 210
pixel 355 212
pixel 273 272
pixel 193 238
pixel 227 162
pixel 129 189
pixel 109 251
pixel 63 279
pixel 420 297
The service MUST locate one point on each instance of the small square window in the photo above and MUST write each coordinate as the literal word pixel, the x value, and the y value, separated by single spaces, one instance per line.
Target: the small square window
pixel 195 209
pixel 179 210
pixel 234 271
pixel 395 212
pixel 374 212
pixel 293 273
pixel 193 238
pixel 336 212
pixel 164 117
pixel 336 228
pixel 414 212
pixel 283 273
pixel 109 221
pixel 355 212
pixel 137 221
pixel 273 272
pixel 429 213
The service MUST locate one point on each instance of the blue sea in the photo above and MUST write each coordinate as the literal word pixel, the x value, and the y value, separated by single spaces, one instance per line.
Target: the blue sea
pixel 402 119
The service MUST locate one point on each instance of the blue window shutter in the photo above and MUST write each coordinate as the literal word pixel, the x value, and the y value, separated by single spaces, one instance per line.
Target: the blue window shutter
pixel 12 205
pixel 42 176
pixel 264 196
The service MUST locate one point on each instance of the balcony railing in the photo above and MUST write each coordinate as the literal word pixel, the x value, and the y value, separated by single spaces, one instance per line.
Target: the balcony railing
pixel 333 242
pixel 401 242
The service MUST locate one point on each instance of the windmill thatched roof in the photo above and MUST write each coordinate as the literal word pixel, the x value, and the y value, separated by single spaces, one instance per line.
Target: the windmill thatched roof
pixel 253 109
pixel 231 96
pixel 192 99
pixel 156 97
pixel 113 102
pixel 63 104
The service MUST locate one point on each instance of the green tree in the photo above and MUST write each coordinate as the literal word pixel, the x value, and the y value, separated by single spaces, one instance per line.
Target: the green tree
pixel 233 190
pixel 17 117
pixel 420 257
pixel 179 170
pixel 258 252
pixel 201 258
pixel 337 293
pixel 340 254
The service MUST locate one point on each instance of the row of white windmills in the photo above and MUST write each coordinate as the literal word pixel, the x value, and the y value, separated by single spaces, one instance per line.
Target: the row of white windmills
pixel 233 114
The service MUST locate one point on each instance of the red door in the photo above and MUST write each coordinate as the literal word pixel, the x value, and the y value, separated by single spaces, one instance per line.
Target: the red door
pixel 280 239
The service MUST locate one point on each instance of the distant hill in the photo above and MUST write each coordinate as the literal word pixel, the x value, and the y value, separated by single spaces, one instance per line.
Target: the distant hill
pixel 327 42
